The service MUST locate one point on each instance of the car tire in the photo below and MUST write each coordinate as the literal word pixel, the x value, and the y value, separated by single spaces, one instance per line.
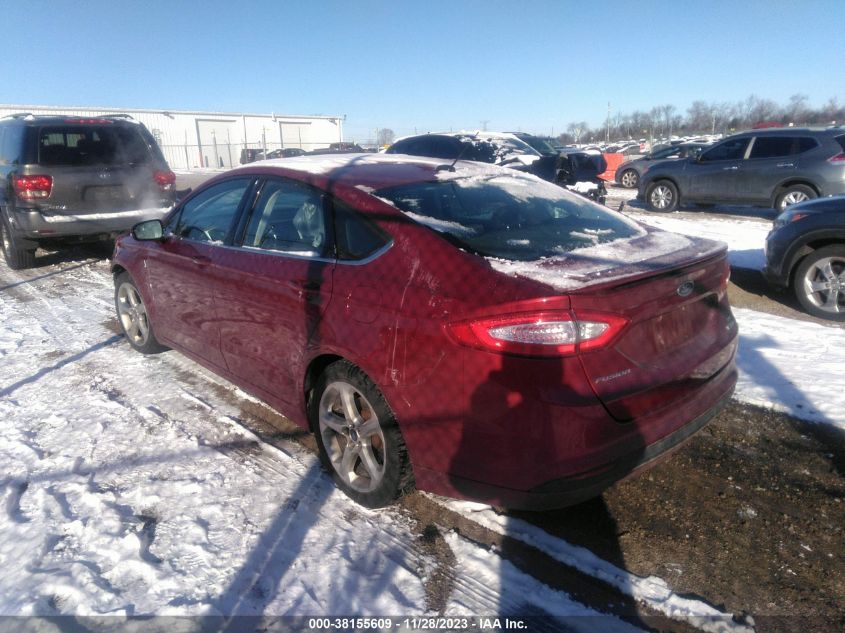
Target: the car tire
pixel 17 255
pixel 358 437
pixel 793 195
pixel 819 283
pixel 662 196
pixel 133 316
pixel 629 178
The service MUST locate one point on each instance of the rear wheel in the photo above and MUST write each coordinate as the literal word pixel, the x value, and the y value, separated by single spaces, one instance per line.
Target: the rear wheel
pixel 819 283
pixel 629 178
pixel 358 438
pixel 793 195
pixel 662 196
pixel 18 255
pixel 133 316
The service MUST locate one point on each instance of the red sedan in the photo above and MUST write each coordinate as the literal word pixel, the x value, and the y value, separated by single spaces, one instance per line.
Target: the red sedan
pixel 463 329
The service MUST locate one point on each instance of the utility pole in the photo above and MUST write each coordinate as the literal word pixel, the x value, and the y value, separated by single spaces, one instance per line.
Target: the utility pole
pixel 484 123
pixel 607 128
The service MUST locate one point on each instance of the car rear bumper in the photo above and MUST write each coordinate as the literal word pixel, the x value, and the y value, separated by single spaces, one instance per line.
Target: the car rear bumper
pixel 680 422
pixel 34 224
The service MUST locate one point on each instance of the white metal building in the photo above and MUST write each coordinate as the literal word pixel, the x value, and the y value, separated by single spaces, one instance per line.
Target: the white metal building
pixel 214 139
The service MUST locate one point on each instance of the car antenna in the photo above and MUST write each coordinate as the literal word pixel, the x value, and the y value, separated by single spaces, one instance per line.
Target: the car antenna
pixel 457 158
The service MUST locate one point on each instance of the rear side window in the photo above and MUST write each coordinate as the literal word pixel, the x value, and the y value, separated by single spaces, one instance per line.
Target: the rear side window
pixel 509 217
pixel 841 141
pixel 11 145
pixel 287 218
pixel 779 146
pixel 110 145
pixel 357 237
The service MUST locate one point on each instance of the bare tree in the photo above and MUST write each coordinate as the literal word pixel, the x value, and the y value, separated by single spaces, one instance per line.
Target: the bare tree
pixel 385 136
pixel 578 130
pixel 796 110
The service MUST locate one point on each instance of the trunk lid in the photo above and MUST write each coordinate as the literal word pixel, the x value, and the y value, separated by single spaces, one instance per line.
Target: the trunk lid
pixel 681 331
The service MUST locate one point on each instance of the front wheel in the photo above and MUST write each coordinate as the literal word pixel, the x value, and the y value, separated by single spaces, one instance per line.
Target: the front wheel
pixel 133 316
pixel 819 283
pixel 629 178
pixel 662 196
pixel 358 438
pixel 793 195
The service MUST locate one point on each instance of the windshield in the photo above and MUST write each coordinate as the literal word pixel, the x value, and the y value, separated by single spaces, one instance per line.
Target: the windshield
pixel 540 145
pixel 516 217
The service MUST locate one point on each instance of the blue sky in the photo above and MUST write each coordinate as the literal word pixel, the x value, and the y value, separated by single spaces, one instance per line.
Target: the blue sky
pixel 423 65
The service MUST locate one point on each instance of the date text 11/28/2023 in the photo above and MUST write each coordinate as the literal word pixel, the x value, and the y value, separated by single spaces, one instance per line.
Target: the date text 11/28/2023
pixel 418 624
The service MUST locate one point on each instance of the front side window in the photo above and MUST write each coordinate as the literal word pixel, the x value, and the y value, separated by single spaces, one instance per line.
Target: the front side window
pixel 509 217
pixel 208 216
pixel 287 218
pixel 669 152
pixel 733 149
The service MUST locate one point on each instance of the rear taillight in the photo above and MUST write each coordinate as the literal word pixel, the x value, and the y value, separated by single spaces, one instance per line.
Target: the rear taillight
pixel 839 159
pixel 540 333
pixel 32 187
pixel 164 179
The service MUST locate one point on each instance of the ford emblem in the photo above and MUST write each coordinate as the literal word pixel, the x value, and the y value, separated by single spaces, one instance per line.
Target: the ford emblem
pixel 686 288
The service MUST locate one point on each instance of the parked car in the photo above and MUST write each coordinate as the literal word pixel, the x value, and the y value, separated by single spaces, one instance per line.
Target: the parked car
pixel 338 148
pixel 805 251
pixel 251 154
pixel 285 152
pixel 478 333
pixel 574 169
pixel 71 179
pixel 628 174
pixel 771 167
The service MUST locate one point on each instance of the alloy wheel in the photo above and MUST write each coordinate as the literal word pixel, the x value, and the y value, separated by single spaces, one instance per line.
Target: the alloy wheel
pixel 133 314
pixel 793 197
pixel 352 436
pixel 824 284
pixel 661 197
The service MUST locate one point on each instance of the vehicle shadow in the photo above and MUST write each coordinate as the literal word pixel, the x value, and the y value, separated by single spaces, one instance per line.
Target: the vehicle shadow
pixel 589 523
pixel 257 582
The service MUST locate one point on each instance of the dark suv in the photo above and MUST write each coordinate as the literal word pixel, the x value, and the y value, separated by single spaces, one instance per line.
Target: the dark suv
pixel 772 168
pixel 70 179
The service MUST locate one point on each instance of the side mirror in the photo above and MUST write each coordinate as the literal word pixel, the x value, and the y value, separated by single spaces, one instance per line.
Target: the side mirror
pixel 149 230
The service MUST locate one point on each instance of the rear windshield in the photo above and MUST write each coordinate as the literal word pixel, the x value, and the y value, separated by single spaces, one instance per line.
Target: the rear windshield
pixel 91 145
pixel 516 218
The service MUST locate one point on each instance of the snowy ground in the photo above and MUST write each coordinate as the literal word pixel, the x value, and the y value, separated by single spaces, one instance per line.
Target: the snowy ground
pixel 130 486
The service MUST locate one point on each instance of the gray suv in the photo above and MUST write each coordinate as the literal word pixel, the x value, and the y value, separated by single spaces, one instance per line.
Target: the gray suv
pixel 771 168
pixel 70 179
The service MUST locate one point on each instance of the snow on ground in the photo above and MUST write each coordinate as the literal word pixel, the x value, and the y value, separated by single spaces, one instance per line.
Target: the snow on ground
pixel 745 238
pixel 791 366
pixel 652 591
pixel 129 487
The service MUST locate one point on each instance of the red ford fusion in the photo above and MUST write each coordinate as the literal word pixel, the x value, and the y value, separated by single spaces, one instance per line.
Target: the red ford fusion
pixel 455 327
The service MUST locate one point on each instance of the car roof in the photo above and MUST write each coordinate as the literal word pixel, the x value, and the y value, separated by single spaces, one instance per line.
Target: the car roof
pixel 791 131
pixel 364 170
pixel 55 119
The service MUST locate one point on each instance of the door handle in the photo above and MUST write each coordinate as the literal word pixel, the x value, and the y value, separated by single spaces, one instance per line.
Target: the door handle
pixel 732 168
pixel 786 165
pixel 201 260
